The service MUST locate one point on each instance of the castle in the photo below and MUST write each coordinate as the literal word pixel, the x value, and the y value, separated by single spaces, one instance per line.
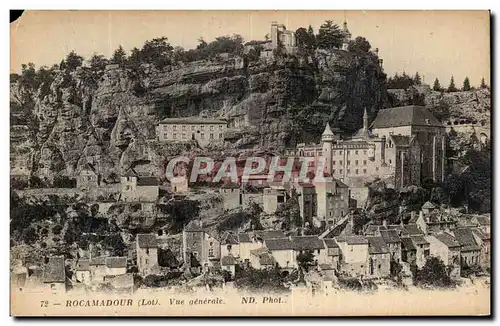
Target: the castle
pixel 403 145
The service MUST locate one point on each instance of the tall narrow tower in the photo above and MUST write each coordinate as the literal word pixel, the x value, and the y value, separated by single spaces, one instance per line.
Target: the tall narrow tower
pixel 327 140
pixel 347 35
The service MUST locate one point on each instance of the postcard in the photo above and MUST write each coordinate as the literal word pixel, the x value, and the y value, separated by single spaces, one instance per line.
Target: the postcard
pixel 250 163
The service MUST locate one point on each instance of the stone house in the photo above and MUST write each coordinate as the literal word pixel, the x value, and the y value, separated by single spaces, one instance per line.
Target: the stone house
pixel 484 242
pixel 230 245
pixel 393 242
pixel 312 244
pixel 228 263
pixel 139 188
pixel 82 271
pixel 273 197
pixel 231 196
pixel 483 223
pixel 423 249
pixel 97 269
pixel 332 198
pixel 147 254
pixel 470 250
pixel 54 275
pixel 200 248
pixel 306 193
pixel 115 265
pixel 261 258
pixel 203 131
pixel 282 250
pixel 445 246
pixel 88 178
pixel 333 253
pixel 355 254
pixel 408 251
pixel 379 262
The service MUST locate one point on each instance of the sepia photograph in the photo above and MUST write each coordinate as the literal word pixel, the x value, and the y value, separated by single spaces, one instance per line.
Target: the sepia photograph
pixel 250 163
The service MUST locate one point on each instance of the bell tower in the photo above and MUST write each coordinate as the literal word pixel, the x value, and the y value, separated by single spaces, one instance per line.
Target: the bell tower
pixel 327 140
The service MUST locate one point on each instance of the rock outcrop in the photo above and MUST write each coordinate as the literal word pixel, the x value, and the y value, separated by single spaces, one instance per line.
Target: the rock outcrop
pixel 108 117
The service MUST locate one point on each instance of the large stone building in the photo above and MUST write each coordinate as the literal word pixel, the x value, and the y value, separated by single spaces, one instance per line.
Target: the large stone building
pixel 403 145
pixel 136 187
pixel 279 37
pixel 200 247
pixel 204 131
pixel 147 254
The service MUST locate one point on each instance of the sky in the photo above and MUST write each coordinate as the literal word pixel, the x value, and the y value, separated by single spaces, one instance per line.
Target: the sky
pixel 434 43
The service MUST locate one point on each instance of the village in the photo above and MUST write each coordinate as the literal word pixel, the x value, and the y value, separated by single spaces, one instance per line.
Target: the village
pixel 298 232
pixel 321 246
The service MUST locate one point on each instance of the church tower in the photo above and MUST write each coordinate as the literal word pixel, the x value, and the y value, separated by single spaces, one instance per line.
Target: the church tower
pixel 347 36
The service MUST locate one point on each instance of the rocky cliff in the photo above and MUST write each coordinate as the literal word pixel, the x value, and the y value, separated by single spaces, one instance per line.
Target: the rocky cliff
pixel 109 116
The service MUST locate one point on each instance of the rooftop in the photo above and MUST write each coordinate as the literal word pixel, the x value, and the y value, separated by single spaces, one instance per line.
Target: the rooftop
pixel 147 181
pixel 390 236
pixel 192 120
pixel 376 245
pixel 265 235
pixel 419 240
pixel 331 243
pixel 465 238
pixel 411 115
pixel 116 262
pixel 308 242
pixel 147 241
pixel 400 140
pixel 98 261
pixel 407 244
pixel 352 239
pixel 83 265
pixel 279 244
pixel 447 239
pixel 428 205
pixel 54 270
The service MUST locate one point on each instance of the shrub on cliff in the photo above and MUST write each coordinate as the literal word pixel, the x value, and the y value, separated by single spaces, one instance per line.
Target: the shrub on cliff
pixel 259 280
pixel 359 45
pixel 433 274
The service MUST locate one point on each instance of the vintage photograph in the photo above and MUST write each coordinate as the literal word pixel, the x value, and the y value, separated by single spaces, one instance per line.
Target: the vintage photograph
pixel 250 163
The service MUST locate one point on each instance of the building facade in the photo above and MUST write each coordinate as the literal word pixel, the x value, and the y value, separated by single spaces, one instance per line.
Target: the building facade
pixel 203 131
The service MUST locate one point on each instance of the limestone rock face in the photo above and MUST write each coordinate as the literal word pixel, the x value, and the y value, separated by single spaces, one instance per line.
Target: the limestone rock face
pixel 108 117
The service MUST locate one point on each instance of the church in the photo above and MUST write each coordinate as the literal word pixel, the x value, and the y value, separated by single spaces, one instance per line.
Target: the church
pixel 403 146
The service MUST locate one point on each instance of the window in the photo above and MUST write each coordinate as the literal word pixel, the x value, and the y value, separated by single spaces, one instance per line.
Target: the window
pixel 174 127
pixel 348 171
pixel 220 127
pixel 356 162
pixel 184 136
pixel 348 162
pixel 364 162
pixel 174 136
pixel 333 153
pixel 333 162
pixel 193 128
pixel 341 171
pixel 145 261
pixel 184 128
pixel 340 162
pixel 340 153
pixel 364 152
pixel 202 135
pixel 364 171
pixel 210 252
pixel 318 251
pixel 211 244
pixel 211 128
pixel 379 266
pixel 220 136
pixel 376 169
pixel 390 161
pixel 333 171
pixel 356 152
pixel 195 254
pixel 211 136
pixel 147 251
pixel 348 152
pixel 229 247
pixel 202 127
pixel 357 171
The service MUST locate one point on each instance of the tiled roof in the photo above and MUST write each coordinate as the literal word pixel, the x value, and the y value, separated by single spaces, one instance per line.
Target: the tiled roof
pixel 331 243
pixel 54 270
pixel 376 245
pixel 340 184
pixel 326 267
pixel 390 236
pixel 419 240
pixel 244 237
pixel 407 244
pixel 147 241
pixel 116 262
pixel 83 265
pixel 231 239
pixel 227 260
pixel 147 181
pixel 412 229
pixel 411 115
pixel 192 120
pixel 279 244
pixel 194 226
pixel 483 220
pixel 481 234
pixel 265 235
pixel 352 239
pixel 98 261
pixel 465 238
pixel 447 239
pixel 308 242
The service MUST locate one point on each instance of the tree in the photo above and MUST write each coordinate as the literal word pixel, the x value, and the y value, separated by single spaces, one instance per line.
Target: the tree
pixel 98 62
pixel 451 87
pixel 312 37
pixel 483 83
pixel 73 61
pixel 437 86
pixel 305 39
pixel 359 45
pixel 305 259
pixel 329 36
pixel 433 273
pixel 262 280
pixel 119 56
pixel 157 52
pixel 466 85
pixel 417 80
